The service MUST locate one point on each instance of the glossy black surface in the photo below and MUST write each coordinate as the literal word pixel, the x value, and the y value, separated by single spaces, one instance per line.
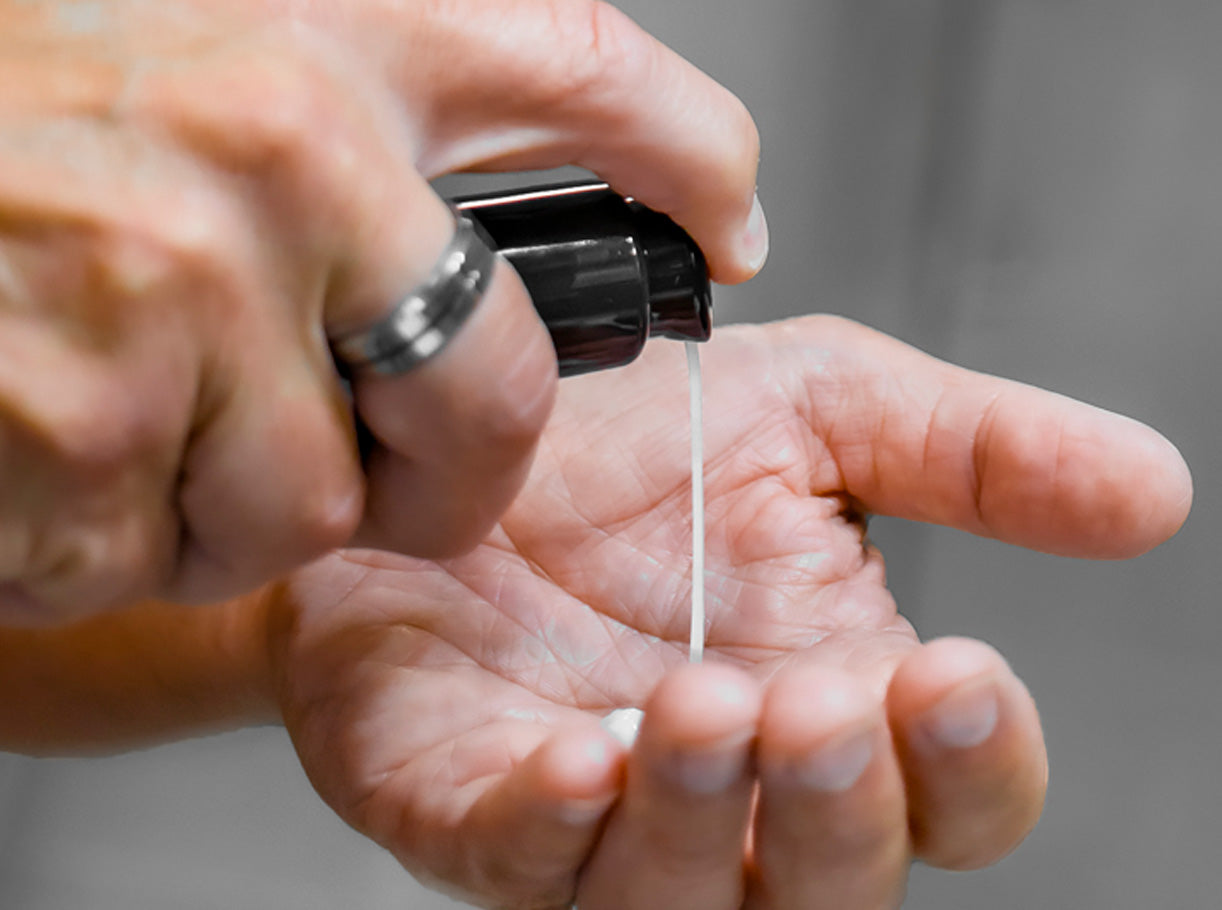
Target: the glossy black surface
pixel 604 273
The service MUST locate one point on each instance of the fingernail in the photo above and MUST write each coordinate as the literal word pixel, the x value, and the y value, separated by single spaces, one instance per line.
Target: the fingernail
pixel 711 770
pixel 837 766
pixel 755 237
pixel 581 812
pixel 963 719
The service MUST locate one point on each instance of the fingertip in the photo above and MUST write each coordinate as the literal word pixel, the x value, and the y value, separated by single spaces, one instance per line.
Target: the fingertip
pixel 751 249
pixel 819 729
pixel 734 239
pixel 1141 483
pixel 807 705
pixel 330 518
pixel 940 665
pixel 831 829
pixel 949 695
pixel 1077 480
pixel 700 704
pixel 972 751
pixel 971 674
pixel 582 768
pixel 680 827
pixel 1169 491
pixel 692 153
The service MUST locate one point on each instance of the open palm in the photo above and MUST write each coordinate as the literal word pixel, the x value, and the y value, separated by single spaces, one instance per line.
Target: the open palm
pixel 449 709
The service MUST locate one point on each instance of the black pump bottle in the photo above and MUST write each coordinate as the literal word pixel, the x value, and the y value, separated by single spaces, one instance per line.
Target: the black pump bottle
pixel 605 273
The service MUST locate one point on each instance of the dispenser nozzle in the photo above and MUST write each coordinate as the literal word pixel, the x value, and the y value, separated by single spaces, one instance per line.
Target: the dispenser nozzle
pixel 605 273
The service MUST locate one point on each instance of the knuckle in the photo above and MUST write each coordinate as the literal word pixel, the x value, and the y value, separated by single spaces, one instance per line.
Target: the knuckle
pixel 257 105
pixel 199 235
pixel 285 111
pixel 602 49
pixel 306 132
pixel 148 254
pixel 101 553
pixel 271 499
pixel 95 430
pixel 327 518
pixel 324 493
pixel 126 560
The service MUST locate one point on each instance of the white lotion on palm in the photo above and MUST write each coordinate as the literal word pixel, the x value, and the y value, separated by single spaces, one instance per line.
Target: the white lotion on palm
pixel 625 723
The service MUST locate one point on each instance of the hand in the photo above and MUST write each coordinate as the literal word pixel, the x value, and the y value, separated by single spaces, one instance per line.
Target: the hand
pixel 449 710
pixel 196 195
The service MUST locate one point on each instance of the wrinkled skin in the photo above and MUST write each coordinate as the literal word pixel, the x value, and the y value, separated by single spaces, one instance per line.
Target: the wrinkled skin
pixel 195 197
pixel 449 709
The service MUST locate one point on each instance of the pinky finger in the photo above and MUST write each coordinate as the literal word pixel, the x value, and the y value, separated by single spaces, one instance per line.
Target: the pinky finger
pixel 972 750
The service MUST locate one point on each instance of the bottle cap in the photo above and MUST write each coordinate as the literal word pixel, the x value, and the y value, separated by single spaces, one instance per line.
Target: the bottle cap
pixel 604 273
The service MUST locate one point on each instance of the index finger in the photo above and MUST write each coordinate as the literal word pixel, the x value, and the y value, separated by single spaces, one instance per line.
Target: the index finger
pixel 539 84
pixel 918 438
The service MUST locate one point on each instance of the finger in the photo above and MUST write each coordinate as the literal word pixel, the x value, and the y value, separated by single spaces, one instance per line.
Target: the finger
pixel 541 84
pixel 269 474
pixel 89 522
pixel 913 436
pixel 830 829
pixel 677 838
pixel 972 752
pixel 455 435
pixel 535 828
pixel 97 374
pixel 273 480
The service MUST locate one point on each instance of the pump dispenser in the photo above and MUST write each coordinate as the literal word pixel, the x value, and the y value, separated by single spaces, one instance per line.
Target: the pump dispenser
pixel 605 273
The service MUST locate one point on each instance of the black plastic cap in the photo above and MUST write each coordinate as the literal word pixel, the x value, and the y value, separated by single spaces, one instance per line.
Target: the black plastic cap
pixel 605 274
pixel 680 298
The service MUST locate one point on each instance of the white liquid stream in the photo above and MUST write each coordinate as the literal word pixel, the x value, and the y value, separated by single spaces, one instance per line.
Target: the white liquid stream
pixel 624 723
pixel 695 648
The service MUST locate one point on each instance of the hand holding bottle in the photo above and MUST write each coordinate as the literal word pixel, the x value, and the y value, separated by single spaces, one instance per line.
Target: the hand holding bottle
pixel 198 197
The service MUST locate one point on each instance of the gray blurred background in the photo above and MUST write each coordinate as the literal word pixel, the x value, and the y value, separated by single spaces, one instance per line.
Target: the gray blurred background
pixel 1029 188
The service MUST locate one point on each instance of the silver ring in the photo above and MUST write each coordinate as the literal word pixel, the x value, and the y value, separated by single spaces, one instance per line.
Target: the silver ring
pixel 425 320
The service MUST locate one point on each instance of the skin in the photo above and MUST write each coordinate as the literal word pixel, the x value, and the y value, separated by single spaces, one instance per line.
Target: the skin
pixel 170 423
pixel 194 197
pixel 449 709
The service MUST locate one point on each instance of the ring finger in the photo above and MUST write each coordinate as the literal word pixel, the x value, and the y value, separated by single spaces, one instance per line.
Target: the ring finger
pixel 831 832
pixel 455 433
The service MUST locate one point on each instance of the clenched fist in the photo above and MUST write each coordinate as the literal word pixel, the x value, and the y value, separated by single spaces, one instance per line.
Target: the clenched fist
pixel 195 197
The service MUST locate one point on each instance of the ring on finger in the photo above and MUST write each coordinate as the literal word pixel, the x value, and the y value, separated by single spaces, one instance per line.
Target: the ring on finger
pixel 427 317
